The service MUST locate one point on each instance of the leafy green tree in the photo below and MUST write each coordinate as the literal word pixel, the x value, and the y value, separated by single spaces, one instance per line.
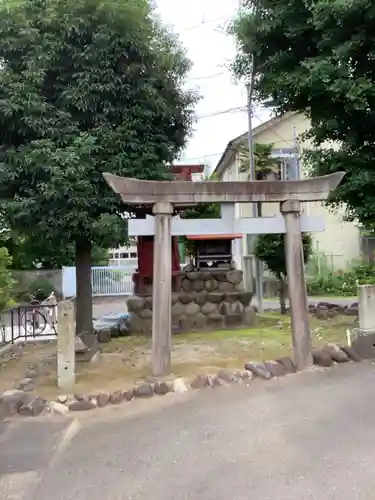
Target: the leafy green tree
pixel 270 249
pixel 86 86
pixel 316 57
pixel 265 164
pixel 6 281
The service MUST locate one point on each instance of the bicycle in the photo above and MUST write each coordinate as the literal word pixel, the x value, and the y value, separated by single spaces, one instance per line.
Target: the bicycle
pixel 34 321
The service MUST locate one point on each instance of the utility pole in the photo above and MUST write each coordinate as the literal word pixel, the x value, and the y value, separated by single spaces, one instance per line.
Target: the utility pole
pixel 255 208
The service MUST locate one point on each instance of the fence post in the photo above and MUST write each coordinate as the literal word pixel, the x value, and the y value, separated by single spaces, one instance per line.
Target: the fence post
pixel 65 345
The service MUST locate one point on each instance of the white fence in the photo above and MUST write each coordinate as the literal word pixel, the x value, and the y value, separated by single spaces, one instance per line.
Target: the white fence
pixel 106 280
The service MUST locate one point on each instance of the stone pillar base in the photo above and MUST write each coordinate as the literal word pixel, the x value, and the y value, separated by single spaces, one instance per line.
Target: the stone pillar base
pixel 196 311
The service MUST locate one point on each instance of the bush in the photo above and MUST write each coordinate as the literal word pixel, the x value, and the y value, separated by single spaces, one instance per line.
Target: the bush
pixel 40 289
pixel 6 281
pixel 342 282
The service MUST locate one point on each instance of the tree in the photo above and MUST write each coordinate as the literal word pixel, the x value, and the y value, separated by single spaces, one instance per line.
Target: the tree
pixel 316 57
pixel 6 281
pixel 86 86
pixel 264 163
pixel 270 249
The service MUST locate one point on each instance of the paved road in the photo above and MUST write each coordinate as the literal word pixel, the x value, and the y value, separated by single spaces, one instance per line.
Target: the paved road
pixel 309 436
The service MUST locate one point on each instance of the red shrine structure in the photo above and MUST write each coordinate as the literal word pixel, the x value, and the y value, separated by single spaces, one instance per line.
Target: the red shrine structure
pixel 142 277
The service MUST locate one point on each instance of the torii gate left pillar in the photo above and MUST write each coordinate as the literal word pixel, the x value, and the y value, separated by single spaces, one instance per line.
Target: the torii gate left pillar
pixel 161 299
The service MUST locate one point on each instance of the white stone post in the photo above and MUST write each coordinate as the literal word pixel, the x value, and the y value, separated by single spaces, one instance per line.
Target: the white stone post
pixel 302 349
pixel 162 291
pixel 366 295
pixel 65 345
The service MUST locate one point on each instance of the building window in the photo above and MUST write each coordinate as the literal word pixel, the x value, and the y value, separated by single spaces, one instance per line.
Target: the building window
pixel 133 255
pixel 289 165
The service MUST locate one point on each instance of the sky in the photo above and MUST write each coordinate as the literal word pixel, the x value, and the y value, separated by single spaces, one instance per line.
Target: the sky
pixel 222 109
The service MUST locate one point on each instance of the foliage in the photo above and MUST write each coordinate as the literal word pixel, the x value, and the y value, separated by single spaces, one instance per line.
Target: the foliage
pixel 265 164
pixel 40 288
pixel 6 281
pixel 29 253
pixel 316 58
pixel 86 86
pixel 342 282
pixel 201 211
pixel 270 249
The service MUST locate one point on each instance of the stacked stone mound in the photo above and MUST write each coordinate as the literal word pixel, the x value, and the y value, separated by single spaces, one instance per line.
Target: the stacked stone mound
pixel 209 300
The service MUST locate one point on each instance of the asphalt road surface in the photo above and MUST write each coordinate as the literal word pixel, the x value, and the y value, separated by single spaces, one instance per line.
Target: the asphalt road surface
pixel 309 436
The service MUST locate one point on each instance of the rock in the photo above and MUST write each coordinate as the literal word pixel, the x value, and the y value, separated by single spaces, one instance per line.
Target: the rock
pixel 224 286
pixel 276 369
pixel 226 376
pixel 288 364
pixel 336 353
pixel 58 408
pixel 215 297
pixel 27 384
pixel 186 298
pixel 259 370
pixel 179 386
pixel 178 308
pixel 219 382
pixel 351 311
pixel 192 309
pixel 128 394
pixel 186 285
pixel 145 313
pixel 144 391
pixel 198 286
pixel 233 319
pixel 352 355
pixel 322 358
pixel 209 308
pixel 102 399
pixel 82 406
pixel 11 401
pixel 104 334
pixel 193 275
pixel 243 375
pixel 214 321
pixel 200 298
pixel 33 408
pixel 79 345
pixel 234 277
pixel 116 397
pixel 249 318
pixel 135 303
pixel 199 321
pixel 245 298
pixel 201 381
pixel 161 388
pixel 211 285
pixel 81 397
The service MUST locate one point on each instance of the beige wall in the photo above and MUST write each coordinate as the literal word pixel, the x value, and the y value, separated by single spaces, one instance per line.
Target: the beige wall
pixel 340 241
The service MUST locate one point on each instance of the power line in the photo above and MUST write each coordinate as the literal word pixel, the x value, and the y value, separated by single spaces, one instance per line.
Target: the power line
pixel 223 112
pixel 206 77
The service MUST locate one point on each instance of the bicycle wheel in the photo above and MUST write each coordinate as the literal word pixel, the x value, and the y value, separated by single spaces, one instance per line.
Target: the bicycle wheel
pixel 34 322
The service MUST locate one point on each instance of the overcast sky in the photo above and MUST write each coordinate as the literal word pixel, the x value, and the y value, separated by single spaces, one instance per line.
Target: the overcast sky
pixel 201 27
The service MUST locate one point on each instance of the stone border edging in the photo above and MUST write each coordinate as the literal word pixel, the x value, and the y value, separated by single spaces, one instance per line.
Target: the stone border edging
pixel 18 402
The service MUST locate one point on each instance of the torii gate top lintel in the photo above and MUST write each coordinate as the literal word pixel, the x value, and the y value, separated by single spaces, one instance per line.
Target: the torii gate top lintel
pixel 141 192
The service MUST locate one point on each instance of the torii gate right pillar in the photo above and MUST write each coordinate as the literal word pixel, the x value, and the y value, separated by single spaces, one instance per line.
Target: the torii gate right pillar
pixel 291 210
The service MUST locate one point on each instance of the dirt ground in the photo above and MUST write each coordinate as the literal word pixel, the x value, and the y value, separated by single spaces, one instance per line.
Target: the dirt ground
pixel 126 360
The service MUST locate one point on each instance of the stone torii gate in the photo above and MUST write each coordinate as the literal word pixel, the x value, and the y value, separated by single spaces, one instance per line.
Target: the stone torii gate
pixel 163 196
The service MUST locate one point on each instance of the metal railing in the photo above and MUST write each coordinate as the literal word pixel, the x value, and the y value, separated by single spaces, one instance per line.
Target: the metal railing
pixel 112 280
pixel 28 322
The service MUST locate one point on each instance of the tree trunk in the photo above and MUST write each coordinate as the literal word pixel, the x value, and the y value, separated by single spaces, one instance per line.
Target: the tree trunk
pixel 282 295
pixel 84 312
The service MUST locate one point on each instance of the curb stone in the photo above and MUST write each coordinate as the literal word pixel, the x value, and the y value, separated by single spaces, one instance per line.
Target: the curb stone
pixel 13 402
